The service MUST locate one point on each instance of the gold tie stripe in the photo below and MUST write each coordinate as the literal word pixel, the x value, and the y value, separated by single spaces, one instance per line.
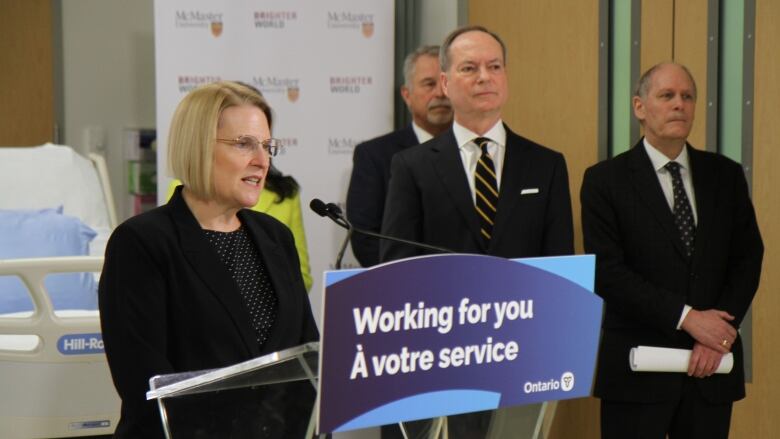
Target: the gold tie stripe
pixel 486 188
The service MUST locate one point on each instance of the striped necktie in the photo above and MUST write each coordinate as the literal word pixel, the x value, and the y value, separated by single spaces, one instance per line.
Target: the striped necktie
pixel 486 188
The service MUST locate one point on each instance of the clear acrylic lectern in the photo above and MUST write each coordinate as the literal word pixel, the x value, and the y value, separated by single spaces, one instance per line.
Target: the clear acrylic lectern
pixel 269 396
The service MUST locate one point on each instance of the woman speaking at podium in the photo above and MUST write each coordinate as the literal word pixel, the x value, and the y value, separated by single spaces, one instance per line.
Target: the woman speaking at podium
pixel 203 282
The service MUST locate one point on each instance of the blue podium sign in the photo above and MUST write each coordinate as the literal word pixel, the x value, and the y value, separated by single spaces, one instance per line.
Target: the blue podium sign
pixel 447 334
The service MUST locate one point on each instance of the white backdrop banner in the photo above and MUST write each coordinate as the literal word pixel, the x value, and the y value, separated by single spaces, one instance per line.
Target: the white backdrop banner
pixel 325 67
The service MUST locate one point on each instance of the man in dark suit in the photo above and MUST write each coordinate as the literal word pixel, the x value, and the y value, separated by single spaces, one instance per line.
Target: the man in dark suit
pixel 431 115
pixel 678 263
pixel 478 187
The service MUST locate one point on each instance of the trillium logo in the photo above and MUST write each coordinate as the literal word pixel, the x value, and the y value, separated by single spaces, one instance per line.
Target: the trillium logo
pixel 567 381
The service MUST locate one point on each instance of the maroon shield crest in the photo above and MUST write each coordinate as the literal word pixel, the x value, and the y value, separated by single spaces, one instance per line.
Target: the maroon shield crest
pixel 216 28
pixel 293 92
pixel 368 29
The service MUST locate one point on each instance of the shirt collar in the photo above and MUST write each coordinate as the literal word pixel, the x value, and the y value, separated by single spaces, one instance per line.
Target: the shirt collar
pixel 422 135
pixel 659 160
pixel 464 136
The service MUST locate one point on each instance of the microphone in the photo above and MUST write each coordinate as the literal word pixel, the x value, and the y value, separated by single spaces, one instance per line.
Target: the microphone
pixel 334 212
pixel 330 210
pixel 334 209
pixel 318 206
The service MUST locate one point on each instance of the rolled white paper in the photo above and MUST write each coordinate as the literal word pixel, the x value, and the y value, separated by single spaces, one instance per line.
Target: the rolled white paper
pixel 655 359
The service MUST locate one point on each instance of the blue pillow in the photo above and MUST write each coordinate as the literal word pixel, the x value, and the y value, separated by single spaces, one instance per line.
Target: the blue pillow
pixel 45 233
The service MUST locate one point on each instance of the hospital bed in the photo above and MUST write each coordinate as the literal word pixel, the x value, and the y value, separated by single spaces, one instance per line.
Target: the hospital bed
pixel 54 379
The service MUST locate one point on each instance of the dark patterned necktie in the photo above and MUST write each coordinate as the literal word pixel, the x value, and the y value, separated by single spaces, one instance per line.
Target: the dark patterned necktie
pixel 486 188
pixel 683 215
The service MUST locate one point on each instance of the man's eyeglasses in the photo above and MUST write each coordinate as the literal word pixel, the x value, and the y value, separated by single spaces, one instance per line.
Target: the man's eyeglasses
pixel 250 144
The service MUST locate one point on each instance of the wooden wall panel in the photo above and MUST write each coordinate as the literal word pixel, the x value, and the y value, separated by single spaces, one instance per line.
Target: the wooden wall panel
pixel 690 49
pixel 553 53
pixel 677 31
pixel 554 103
pixel 657 33
pixel 26 75
pixel 756 415
pixel 553 76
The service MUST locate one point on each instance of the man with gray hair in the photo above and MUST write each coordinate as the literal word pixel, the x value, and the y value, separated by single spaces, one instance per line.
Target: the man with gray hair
pixel 678 260
pixel 431 115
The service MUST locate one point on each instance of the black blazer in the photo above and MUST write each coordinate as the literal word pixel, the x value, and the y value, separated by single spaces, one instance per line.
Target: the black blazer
pixel 368 189
pixel 168 304
pixel 644 277
pixel 429 200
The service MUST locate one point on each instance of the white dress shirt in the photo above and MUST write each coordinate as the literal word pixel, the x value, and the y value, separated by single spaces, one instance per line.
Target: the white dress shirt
pixel 665 178
pixel 422 135
pixel 470 151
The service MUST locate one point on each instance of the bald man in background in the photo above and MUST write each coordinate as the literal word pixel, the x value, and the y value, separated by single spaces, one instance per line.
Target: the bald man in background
pixel 678 261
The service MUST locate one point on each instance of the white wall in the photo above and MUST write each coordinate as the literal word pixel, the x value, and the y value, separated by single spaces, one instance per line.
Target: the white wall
pixel 108 78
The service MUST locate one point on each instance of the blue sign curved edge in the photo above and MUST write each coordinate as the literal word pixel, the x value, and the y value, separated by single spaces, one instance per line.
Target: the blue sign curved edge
pixel 426 405
pixel 573 268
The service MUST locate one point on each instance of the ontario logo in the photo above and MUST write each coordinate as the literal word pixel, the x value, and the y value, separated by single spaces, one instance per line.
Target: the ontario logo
pixel 349 84
pixel 289 87
pixel 341 145
pixel 565 383
pixel 274 19
pixel 199 19
pixel 187 82
pixel 352 20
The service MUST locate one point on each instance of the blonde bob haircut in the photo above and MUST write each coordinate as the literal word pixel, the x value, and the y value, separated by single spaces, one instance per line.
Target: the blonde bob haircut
pixel 193 131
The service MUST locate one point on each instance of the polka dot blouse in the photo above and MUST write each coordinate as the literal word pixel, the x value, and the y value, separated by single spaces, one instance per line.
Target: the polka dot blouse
pixel 239 254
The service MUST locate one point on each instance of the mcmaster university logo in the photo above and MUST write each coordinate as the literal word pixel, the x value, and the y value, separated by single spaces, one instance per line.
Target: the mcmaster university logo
pixel 287 86
pixel 199 19
pixel 341 145
pixel 352 20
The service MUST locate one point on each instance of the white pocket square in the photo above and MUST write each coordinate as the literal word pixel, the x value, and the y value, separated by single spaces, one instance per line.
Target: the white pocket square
pixel 532 190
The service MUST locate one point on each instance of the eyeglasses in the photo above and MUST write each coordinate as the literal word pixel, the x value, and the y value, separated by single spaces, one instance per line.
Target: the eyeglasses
pixel 249 145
